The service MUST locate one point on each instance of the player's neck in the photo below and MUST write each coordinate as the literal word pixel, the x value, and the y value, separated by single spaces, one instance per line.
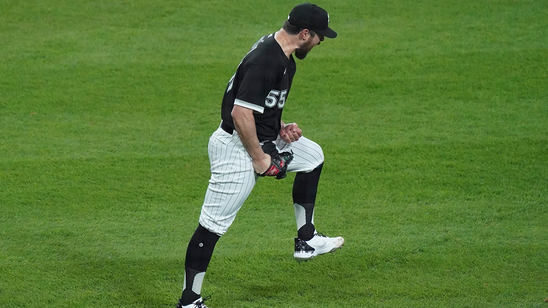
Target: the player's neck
pixel 287 42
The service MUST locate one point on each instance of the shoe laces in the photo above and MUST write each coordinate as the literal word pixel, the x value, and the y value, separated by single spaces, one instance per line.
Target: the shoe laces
pixel 320 234
pixel 200 304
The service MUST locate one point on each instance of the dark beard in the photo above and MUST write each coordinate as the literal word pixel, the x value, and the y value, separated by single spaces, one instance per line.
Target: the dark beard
pixel 301 53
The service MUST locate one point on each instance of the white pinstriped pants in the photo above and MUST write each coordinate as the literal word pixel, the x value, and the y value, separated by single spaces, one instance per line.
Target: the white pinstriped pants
pixel 233 177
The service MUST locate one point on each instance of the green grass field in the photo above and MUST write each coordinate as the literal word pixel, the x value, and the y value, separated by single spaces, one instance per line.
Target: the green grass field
pixel 433 116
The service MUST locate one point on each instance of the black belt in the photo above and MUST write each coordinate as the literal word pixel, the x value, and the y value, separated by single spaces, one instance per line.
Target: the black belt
pixel 227 128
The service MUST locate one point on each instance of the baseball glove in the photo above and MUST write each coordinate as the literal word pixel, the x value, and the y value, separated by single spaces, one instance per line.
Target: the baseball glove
pixel 279 161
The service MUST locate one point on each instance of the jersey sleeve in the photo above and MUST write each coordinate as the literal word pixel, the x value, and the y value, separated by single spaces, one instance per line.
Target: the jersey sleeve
pixel 258 81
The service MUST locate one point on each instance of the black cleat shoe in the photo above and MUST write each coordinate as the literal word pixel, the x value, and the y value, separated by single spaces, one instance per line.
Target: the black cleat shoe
pixel 199 303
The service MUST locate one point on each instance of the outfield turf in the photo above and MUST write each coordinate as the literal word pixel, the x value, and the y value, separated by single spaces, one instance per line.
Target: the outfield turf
pixel 433 116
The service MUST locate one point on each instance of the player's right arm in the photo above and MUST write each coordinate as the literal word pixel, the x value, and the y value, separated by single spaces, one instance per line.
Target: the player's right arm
pixel 244 123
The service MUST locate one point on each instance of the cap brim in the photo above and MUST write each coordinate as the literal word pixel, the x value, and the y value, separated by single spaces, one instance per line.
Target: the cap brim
pixel 327 33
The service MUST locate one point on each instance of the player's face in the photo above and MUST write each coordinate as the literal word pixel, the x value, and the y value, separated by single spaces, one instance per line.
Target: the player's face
pixel 307 45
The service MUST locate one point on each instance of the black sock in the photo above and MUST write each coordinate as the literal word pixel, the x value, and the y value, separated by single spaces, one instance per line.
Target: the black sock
pixel 305 189
pixel 198 254
pixel 306 232
pixel 188 295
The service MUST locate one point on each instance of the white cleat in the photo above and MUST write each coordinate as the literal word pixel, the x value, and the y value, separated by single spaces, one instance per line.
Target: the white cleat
pixel 199 303
pixel 318 245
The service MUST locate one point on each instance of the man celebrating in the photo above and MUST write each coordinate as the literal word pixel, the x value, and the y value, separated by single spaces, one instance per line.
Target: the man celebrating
pixel 253 141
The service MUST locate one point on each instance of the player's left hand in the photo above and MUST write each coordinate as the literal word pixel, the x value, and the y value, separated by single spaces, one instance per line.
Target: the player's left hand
pixel 291 132
pixel 278 161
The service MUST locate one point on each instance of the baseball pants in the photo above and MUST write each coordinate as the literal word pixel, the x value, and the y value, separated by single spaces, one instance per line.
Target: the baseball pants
pixel 233 177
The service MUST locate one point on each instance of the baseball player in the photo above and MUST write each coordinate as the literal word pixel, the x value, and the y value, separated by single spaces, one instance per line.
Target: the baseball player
pixel 252 141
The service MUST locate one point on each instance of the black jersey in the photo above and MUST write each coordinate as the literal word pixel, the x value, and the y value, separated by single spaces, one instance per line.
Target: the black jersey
pixel 261 83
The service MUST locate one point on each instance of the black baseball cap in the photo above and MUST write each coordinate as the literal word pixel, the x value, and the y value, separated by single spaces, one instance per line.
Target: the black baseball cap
pixel 312 17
